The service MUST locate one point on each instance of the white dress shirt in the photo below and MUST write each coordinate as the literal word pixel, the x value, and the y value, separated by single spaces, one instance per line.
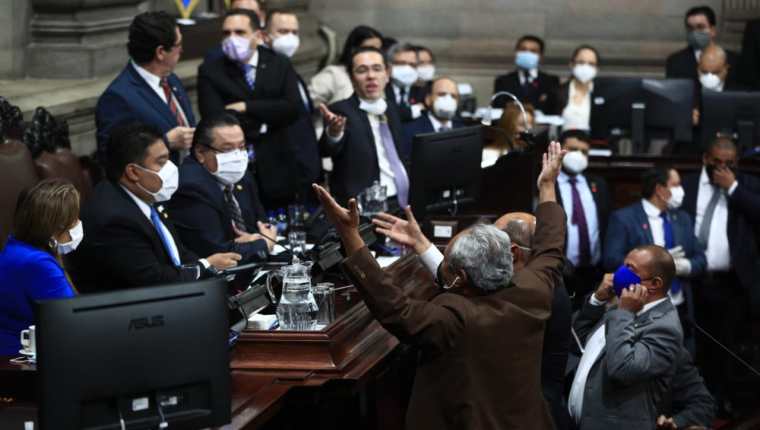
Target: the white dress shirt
pixel 589 209
pixel 717 253
pixel 154 82
pixel 530 75
pixel 438 124
pixel 594 347
pixel 431 259
pixel 415 108
pixel 577 115
pixel 145 209
pixel 655 222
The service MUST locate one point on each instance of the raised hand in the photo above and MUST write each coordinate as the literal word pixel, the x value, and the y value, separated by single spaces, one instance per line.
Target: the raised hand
pixel 334 123
pixel 406 232
pixel 346 221
pixel 551 164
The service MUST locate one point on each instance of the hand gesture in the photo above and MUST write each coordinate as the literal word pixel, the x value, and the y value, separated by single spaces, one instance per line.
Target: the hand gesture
pixel 633 298
pixel 180 137
pixel 406 232
pixel 237 107
pixel 334 123
pixel 666 423
pixel 551 164
pixel 346 221
pixel 724 177
pixel 605 292
pixel 224 260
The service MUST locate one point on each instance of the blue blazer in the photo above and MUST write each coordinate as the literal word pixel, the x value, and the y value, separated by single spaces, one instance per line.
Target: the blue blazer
pixel 629 227
pixel 27 274
pixel 129 98
pixel 419 126
pixel 201 216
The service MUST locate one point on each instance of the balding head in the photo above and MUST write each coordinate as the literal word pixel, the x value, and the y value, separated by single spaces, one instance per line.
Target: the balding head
pixel 713 61
pixel 656 268
pixel 520 226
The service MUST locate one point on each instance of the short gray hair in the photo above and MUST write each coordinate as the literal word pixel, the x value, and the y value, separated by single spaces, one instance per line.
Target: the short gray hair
pixel 400 47
pixel 484 253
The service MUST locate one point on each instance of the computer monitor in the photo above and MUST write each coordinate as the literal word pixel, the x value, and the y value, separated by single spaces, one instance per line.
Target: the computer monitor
pixel 445 172
pixel 144 356
pixel 731 112
pixel 645 108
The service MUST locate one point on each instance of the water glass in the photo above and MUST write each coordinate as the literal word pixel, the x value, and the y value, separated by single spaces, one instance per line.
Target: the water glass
pixel 324 295
pixel 297 241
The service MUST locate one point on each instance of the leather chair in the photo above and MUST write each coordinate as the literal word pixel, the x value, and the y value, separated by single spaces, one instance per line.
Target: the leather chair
pixel 64 164
pixel 17 172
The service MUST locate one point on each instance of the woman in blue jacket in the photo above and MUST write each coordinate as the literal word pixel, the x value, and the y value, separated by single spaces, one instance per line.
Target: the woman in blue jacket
pixel 45 226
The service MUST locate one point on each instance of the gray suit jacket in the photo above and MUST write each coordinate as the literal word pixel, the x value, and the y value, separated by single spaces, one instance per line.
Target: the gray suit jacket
pixel 689 402
pixel 627 383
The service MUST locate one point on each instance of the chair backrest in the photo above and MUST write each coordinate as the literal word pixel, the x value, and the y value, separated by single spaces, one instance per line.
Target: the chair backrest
pixel 17 173
pixel 64 164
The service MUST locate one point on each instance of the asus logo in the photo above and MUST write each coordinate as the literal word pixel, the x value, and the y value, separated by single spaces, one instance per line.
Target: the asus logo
pixel 141 323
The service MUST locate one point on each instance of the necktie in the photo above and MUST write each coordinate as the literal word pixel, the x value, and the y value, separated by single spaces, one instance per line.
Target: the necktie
pixel 667 229
pixel 402 95
pixel 172 103
pixel 704 228
pixel 250 75
pixel 399 172
pixel 233 207
pixel 579 220
pixel 156 220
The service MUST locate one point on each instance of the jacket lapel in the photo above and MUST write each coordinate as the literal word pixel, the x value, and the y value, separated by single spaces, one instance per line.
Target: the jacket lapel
pixel 148 228
pixel 149 95
pixel 642 224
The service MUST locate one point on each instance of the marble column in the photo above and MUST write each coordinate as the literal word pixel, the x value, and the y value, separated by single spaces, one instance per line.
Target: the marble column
pixel 78 38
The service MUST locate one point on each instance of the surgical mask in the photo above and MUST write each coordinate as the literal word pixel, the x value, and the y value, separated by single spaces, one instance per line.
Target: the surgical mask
pixel 698 39
pixel 77 234
pixel 624 278
pixel 375 107
pixel 237 48
pixel 676 197
pixel 711 81
pixel 231 166
pixel 426 72
pixel 526 60
pixel 575 162
pixel 584 72
pixel 404 75
pixel 445 107
pixel 169 175
pixel 286 45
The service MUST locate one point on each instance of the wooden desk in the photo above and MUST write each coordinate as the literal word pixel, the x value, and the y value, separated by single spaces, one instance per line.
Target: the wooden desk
pixel 352 375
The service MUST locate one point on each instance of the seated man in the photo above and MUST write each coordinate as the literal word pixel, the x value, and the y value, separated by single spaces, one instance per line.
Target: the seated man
pixel 216 207
pixel 441 104
pixel 631 350
pixel 129 240
pixel 481 338
pixel 425 72
pixel 527 82
pixel 689 404
pixel 714 75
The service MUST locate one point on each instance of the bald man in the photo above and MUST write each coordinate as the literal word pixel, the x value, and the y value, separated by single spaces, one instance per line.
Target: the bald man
pixel 441 106
pixel 713 70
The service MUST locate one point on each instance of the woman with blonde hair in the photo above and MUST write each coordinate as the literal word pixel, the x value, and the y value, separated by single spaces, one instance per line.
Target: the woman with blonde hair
pixel 46 225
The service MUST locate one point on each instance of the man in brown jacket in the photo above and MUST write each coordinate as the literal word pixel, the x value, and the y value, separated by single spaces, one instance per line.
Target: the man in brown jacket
pixel 481 340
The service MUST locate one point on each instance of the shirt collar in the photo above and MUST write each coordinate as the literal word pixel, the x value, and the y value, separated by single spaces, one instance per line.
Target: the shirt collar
pixel 154 81
pixel 649 306
pixel 703 178
pixel 438 124
pixel 254 61
pixel 532 73
pixel 650 209
pixel 565 178
pixel 144 207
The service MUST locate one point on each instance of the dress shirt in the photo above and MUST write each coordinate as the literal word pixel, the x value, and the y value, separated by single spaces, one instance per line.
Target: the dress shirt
pixel 589 209
pixel 154 82
pixel 655 222
pixel 717 253
pixel 594 347
pixel 254 61
pixel 431 259
pixel 530 75
pixel 577 116
pixel 438 124
pixel 415 108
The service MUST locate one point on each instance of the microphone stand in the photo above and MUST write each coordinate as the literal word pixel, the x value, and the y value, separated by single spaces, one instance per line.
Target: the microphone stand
pixel 526 135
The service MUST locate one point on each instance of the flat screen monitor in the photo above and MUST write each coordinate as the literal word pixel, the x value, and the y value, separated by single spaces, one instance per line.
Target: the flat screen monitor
pixel 445 172
pixel 612 104
pixel 669 106
pixel 135 359
pixel 732 112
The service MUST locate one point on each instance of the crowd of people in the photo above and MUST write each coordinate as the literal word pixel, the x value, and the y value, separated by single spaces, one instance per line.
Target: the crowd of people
pixel 183 198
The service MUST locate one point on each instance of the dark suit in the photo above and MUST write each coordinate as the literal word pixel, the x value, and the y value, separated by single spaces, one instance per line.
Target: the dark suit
pixel 749 64
pixel 354 157
pixel 480 365
pixel 273 101
pixel 129 98
pixel 556 348
pixel 689 402
pixel 303 139
pixel 404 108
pixel 683 64
pixel 541 93
pixel 201 216
pixel 421 125
pixel 121 248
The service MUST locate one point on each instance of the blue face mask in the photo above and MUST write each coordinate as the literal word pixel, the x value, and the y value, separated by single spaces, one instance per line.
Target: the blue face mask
pixel 526 60
pixel 623 278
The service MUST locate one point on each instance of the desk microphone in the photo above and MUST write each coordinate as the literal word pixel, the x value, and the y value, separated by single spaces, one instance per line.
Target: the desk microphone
pixel 526 135
pixel 694 324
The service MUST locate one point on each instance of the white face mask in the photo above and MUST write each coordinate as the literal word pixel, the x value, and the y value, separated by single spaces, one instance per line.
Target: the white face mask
pixel 77 234
pixel 231 166
pixel 575 162
pixel 404 75
pixel 286 45
pixel 711 81
pixel 169 175
pixel 426 72
pixel 375 107
pixel 676 197
pixel 584 72
pixel 445 107
pixel 237 48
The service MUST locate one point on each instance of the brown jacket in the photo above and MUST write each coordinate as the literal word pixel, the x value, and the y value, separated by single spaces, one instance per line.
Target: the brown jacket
pixel 481 365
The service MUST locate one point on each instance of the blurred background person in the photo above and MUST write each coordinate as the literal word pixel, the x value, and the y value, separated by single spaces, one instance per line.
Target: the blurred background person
pixel 527 82
pixel 403 58
pixel 440 113
pixel 46 226
pixel 574 97
pixel 505 135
